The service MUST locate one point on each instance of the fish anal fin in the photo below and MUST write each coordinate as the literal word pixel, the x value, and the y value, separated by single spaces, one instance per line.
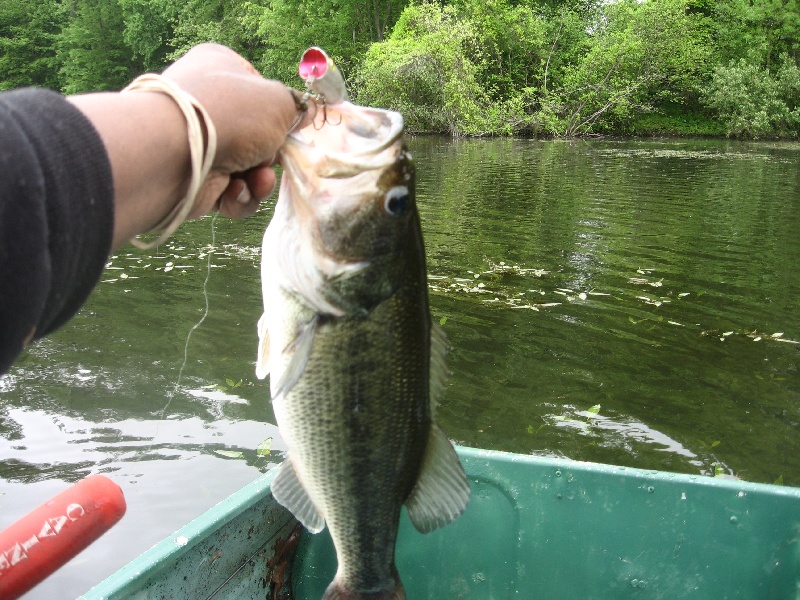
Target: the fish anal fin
pixel 290 493
pixel 441 493
pixel 262 359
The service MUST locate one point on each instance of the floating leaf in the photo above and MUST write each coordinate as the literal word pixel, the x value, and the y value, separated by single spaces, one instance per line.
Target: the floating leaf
pixel 442 321
pixel 777 335
pixel 582 295
pixel 229 453
pixel 534 430
pixel 594 410
pixel 265 447
pixel 718 470
pixel 779 480
pixel 715 443
pixel 683 294
pixel 757 338
pixel 727 333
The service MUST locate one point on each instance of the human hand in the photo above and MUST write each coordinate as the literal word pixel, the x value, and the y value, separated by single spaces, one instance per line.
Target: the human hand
pixel 252 117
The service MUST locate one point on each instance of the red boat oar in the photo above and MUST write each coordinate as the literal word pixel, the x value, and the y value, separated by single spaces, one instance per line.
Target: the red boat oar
pixel 42 541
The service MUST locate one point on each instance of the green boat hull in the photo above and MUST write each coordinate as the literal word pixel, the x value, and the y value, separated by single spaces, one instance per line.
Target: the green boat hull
pixel 535 528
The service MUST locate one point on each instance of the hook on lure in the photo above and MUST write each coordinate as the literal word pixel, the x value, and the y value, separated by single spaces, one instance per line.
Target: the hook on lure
pixel 324 82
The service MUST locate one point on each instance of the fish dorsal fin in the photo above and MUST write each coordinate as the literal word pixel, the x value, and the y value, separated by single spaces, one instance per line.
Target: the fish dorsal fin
pixel 439 373
pixel 441 493
pixel 300 350
pixel 290 493
pixel 262 360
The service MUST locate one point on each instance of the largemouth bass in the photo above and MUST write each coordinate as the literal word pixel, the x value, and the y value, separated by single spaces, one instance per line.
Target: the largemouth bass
pixel 348 342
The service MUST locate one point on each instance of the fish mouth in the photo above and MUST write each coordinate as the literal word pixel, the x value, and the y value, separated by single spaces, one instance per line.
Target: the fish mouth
pixel 345 139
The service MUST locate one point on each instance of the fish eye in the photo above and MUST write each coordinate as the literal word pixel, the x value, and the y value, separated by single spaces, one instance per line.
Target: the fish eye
pixel 398 201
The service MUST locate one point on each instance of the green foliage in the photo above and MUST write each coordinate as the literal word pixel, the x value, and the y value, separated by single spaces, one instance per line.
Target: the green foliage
pixel 345 29
pixel 765 29
pixel 28 31
pixel 675 121
pixel 220 21
pixel 147 29
pixel 752 102
pixel 465 67
pixel 435 68
pixel 91 49
pixel 637 54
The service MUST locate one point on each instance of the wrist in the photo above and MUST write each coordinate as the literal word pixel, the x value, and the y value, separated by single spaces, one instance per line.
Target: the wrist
pixel 202 144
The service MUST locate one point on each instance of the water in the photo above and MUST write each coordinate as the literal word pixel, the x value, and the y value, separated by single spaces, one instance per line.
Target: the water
pixel 618 302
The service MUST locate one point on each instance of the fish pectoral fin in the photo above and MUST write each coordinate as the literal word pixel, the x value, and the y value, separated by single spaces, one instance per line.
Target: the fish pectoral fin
pixel 262 360
pixel 300 350
pixel 290 493
pixel 441 493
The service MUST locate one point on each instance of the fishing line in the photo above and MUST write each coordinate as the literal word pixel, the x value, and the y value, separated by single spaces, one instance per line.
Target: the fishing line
pixel 171 394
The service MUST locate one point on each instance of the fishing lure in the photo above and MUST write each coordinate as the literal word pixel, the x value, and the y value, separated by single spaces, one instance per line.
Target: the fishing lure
pixel 324 82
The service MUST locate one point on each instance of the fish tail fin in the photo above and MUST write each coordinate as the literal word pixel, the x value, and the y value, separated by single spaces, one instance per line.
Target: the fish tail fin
pixel 337 591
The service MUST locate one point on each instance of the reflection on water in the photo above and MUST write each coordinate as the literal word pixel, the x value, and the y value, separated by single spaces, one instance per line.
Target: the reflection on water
pixel 633 303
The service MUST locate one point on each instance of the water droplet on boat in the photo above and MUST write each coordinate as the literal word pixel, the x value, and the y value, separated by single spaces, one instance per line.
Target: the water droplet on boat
pixel 558 473
pixel 734 520
pixel 650 489
pixel 741 494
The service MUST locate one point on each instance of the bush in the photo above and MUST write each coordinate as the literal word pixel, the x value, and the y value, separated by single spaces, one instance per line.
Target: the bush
pixel 430 69
pixel 752 102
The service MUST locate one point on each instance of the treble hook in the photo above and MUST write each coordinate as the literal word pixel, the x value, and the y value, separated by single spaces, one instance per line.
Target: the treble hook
pixel 301 102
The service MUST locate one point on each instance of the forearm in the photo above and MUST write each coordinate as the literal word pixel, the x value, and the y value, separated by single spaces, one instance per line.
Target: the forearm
pixel 56 215
pixel 145 136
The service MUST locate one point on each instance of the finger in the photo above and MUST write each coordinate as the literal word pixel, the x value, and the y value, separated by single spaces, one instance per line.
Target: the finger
pixel 261 181
pixel 237 201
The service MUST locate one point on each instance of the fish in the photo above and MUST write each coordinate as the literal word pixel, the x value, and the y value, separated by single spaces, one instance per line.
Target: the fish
pixel 354 358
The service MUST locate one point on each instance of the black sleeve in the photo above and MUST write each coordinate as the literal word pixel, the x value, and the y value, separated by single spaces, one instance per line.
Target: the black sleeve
pixel 56 215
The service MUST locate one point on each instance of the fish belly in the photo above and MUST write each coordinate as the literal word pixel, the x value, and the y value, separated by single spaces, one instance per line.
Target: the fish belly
pixel 356 423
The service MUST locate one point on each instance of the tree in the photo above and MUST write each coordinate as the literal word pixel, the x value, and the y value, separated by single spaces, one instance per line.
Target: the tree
pixel 426 70
pixel 753 102
pixel 760 30
pixel 345 29
pixel 148 30
pixel 637 54
pixel 91 48
pixel 28 32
